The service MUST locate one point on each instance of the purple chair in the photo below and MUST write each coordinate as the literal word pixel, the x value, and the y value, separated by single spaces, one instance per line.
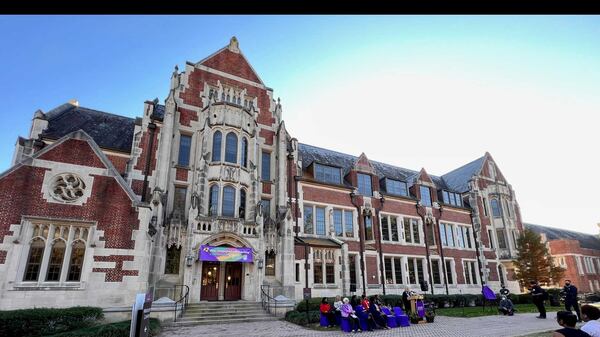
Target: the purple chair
pixel 392 322
pixel 324 321
pixel 363 317
pixel 345 325
pixel 401 317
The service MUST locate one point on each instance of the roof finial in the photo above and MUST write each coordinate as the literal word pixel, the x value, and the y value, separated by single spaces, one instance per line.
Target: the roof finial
pixel 234 45
pixel 74 102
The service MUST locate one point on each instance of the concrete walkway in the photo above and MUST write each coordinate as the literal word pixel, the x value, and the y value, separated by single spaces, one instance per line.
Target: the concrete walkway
pixel 487 326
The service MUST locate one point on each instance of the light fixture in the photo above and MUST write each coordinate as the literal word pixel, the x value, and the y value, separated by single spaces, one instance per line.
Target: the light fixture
pixel 260 264
pixel 189 260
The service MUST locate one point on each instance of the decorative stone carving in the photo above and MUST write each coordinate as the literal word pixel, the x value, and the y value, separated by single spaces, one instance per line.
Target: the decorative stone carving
pixel 67 187
pixel 229 173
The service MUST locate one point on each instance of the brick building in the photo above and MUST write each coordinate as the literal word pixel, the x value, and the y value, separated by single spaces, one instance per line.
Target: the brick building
pixel 209 190
pixel 578 253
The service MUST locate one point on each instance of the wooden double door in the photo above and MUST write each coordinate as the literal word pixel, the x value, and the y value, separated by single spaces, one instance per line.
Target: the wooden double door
pixel 213 280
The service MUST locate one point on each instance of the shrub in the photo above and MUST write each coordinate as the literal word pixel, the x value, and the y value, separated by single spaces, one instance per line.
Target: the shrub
pixel 119 329
pixel 46 321
pixel 299 317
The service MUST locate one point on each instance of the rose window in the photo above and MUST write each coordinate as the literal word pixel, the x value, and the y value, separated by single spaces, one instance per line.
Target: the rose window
pixel 67 187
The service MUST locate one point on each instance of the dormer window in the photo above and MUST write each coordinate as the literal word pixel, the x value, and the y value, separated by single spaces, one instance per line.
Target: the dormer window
pixel 425 196
pixel 451 198
pixel 364 184
pixel 396 187
pixel 328 174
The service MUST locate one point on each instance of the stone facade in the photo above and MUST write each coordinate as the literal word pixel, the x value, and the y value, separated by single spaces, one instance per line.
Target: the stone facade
pixel 99 207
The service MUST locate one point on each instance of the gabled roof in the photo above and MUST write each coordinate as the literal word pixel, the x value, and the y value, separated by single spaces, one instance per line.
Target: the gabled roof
pixel 83 136
pixel 458 180
pixel 585 240
pixel 108 130
pixel 230 59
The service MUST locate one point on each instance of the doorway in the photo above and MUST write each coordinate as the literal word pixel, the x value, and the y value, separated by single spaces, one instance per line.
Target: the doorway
pixel 233 281
pixel 210 281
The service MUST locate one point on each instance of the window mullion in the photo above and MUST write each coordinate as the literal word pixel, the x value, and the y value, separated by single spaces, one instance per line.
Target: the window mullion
pixel 47 251
pixel 67 257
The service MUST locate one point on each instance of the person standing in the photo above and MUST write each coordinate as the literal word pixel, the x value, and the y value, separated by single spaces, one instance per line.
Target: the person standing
pixel 406 301
pixel 571 298
pixel 538 296
pixel 567 320
pixel 590 315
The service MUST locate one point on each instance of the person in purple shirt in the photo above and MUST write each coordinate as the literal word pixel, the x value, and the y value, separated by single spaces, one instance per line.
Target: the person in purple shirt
pixel 349 314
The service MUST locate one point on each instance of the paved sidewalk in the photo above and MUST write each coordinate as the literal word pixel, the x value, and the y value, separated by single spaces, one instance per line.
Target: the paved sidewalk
pixel 486 326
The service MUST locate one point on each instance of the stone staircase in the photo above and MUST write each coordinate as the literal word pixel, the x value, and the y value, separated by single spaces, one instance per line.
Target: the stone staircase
pixel 223 313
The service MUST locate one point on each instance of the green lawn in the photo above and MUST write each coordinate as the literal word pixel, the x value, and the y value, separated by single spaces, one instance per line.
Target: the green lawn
pixel 478 311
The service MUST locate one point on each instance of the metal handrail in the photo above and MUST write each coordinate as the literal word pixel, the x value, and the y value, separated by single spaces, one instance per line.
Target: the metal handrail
pixel 183 299
pixel 266 299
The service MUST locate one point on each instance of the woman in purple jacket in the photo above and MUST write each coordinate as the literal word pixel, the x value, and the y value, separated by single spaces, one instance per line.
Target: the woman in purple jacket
pixel 349 314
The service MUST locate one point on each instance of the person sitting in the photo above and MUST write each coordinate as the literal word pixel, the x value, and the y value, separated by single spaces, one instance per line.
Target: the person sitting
pixel 567 320
pixel 590 314
pixel 378 316
pixel 325 309
pixel 370 321
pixel 338 303
pixel 506 306
pixel 354 301
pixel 349 314
pixel 365 302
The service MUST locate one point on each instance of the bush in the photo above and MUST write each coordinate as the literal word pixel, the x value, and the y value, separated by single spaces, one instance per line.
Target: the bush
pixel 46 321
pixel 299 317
pixel 119 329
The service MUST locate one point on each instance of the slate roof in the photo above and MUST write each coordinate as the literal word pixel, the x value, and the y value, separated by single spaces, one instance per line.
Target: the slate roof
pixel 108 130
pixel 159 112
pixel 585 240
pixel 458 180
pixel 317 242
pixel 310 153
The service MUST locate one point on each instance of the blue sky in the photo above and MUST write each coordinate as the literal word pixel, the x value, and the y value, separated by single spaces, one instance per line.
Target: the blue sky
pixel 414 91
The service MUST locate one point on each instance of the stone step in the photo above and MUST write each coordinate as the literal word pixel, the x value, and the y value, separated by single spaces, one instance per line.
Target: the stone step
pixel 228 320
pixel 222 313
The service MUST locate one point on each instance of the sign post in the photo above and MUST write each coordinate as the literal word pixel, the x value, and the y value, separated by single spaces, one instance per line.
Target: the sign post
pixel 140 315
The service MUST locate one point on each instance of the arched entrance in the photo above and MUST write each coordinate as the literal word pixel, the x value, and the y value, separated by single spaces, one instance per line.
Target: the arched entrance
pixel 223 258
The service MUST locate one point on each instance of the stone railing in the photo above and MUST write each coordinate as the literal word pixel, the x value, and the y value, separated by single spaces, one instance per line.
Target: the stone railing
pixel 224 224
pixel 504 254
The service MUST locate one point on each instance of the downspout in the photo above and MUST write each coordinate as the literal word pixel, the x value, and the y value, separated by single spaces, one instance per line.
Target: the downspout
pixel 477 250
pixel 426 246
pixel 441 250
pixel 380 248
pixel 152 128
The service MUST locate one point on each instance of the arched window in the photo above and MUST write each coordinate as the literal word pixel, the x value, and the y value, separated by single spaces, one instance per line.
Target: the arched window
pixel 244 159
pixel 242 209
pixel 222 96
pixel 173 259
pixel 239 100
pixel 56 259
pixel 216 155
pixel 228 201
pixel 231 148
pixel 76 262
pixel 213 203
pixel 270 263
pixel 34 261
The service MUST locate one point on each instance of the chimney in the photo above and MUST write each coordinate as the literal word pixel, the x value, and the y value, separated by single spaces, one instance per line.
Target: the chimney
pixel 74 102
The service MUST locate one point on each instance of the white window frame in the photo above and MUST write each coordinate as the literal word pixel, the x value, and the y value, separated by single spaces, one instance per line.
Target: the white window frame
pixel 412 233
pixel 26 237
pixel 472 264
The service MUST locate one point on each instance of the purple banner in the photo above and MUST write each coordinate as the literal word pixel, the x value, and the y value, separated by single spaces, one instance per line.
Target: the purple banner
pixel 225 254
pixel 420 308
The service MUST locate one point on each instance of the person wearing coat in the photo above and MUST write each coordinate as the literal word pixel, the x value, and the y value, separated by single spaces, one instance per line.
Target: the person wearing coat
pixel 571 298
pixel 378 316
pixel 349 314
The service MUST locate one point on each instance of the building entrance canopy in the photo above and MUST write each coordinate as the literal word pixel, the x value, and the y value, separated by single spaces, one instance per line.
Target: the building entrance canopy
pixel 226 254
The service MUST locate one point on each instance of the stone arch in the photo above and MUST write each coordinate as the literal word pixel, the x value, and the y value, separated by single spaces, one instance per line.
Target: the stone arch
pixel 231 239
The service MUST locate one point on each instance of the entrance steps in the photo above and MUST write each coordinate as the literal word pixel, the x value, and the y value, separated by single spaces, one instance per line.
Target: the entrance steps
pixel 223 313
